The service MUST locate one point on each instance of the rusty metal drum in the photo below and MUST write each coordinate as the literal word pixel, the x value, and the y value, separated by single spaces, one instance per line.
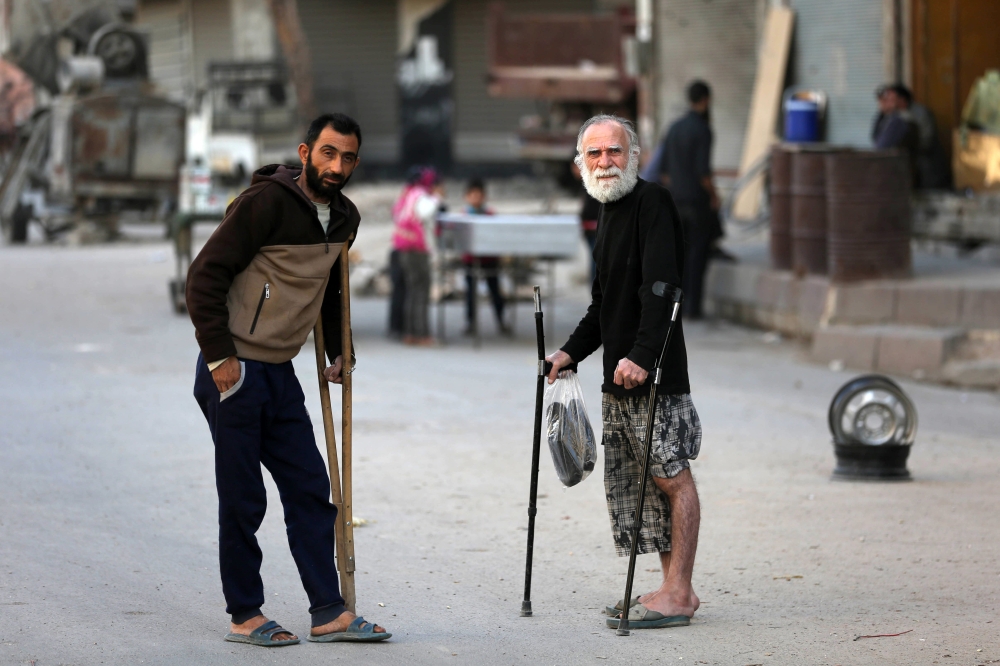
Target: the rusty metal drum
pixel 781 208
pixel 868 215
pixel 808 211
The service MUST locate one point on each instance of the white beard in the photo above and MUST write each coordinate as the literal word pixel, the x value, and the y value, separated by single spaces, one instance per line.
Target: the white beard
pixel 607 190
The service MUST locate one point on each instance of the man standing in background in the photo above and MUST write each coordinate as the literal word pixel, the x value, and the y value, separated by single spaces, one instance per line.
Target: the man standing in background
pixel 905 124
pixel 686 170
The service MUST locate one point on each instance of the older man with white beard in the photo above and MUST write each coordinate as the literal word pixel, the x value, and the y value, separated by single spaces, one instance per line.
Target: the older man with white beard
pixel 639 242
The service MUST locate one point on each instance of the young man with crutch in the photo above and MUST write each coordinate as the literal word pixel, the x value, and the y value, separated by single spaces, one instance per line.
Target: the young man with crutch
pixel 254 292
pixel 639 243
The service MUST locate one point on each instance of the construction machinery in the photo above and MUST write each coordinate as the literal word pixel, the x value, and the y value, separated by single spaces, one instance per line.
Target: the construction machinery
pixel 101 142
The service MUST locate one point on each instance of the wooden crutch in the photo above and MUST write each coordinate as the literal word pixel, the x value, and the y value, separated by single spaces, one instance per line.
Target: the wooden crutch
pixel 340 489
pixel 347 424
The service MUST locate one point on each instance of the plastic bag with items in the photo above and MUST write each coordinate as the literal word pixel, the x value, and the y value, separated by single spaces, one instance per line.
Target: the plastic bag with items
pixel 571 439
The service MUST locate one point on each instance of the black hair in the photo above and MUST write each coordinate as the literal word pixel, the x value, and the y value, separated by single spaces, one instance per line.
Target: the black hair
pixel 697 91
pixel 341 123
pixel 903 92
pixel 413 174
pixel 475 184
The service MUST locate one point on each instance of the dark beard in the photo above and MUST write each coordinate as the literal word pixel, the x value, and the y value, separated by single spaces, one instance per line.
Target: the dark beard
pixel 316 184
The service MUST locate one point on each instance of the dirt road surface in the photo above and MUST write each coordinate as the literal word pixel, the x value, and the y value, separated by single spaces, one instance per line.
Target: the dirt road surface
pixel 108 548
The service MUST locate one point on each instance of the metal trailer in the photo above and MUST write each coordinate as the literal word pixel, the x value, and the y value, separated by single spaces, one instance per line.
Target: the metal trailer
pixel 90 159
pixel 127 150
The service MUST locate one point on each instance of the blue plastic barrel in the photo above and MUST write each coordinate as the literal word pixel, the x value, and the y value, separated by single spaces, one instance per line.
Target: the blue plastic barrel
pixel 801 120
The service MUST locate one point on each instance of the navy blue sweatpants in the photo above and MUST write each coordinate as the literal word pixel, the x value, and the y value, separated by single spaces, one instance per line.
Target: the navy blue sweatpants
pixel 262 420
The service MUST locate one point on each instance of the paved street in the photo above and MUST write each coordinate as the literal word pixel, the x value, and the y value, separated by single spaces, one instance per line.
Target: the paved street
pixel 108 548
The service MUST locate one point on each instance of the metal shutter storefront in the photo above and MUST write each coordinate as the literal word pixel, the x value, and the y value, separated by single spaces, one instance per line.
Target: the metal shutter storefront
pixel 212 34
pixel 486 126
pixel 715 41
pixel 837 48
pixel 353 47
pixel 169 49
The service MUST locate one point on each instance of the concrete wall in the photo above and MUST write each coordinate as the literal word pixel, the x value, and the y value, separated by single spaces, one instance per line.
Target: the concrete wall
pixel 715 41
pixel 485 126
pixel 353 46
pixel 838 48
pixel 212 36
pixel 170 67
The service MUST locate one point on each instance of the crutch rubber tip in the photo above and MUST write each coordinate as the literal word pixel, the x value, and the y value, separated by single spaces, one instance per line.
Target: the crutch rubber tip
pixel 525 609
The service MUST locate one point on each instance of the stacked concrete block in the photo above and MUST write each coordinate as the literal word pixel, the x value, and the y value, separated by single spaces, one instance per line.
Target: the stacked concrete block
pixel 854 347
pixel 866 303
pixel 928 304
pixel 768 299
pixel 946 217
pixel 911 351
pixel 813 304
pixel 912 328
pixel 916 352
pixel 980 308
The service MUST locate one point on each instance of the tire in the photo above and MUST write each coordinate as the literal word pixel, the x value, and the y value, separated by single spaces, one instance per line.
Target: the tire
pixel 858 385
pixel 19 224
pixel 120 51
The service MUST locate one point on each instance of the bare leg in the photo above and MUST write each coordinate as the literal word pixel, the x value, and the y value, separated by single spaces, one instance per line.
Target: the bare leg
pixel 676 596
pixel 665 568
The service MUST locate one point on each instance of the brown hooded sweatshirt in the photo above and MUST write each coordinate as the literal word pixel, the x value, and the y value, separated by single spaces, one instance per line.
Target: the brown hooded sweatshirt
pixel 257 287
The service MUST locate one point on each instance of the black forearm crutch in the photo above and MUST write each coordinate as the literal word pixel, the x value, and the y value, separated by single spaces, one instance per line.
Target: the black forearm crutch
pixel 536 446
pixel 663 290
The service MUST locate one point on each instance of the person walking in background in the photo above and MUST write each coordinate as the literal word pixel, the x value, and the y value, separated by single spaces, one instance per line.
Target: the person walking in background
pixel 475 204
pixel 686 170
pixel 416 208
pixel 639 243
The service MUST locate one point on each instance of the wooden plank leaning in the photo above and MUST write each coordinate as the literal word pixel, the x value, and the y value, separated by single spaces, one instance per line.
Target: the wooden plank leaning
pixel 765 107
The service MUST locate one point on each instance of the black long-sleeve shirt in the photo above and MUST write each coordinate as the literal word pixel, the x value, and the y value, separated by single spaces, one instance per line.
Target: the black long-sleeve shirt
pixel 639 242
pixel 687 158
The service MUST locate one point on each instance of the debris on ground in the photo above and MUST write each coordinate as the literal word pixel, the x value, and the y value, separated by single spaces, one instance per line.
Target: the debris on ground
pixel 884 635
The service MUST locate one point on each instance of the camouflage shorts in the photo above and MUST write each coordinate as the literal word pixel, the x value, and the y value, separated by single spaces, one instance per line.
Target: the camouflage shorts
pixel 676 440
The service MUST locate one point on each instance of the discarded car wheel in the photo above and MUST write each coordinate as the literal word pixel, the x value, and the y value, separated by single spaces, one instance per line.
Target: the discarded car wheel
pixel 873 423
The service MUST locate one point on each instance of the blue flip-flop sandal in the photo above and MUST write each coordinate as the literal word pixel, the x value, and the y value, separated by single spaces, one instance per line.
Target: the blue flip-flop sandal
pixel 640 617
pixel 264 636
pixel 355 633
